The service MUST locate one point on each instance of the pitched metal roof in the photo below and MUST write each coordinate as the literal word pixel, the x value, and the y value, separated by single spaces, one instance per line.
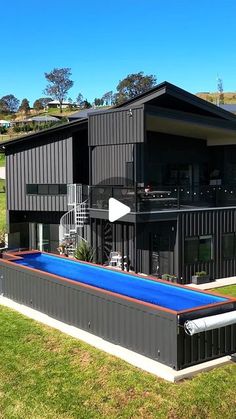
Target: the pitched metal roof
pixel 70 126
pixel 172 90
pixel 229 107
pixel 85 113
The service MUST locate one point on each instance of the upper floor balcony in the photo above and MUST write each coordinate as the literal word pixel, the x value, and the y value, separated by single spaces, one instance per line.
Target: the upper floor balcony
pixel 164 197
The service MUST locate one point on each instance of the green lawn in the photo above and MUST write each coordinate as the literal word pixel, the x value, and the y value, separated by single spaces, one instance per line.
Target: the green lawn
pixel 2 160
pixel 228 290
pixel 46 374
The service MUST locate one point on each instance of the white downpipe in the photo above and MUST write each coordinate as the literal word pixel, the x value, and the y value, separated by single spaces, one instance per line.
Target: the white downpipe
pixel 192 327
pixel 40 237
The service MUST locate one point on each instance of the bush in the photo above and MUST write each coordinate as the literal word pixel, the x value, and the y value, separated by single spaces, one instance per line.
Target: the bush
pixel 3 130
pixel 201 273
pixel 169 277
pixel 84 252
pixel 17 128
pixel 2 236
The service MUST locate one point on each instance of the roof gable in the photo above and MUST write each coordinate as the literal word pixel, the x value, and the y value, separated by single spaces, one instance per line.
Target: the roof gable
pixel 169 96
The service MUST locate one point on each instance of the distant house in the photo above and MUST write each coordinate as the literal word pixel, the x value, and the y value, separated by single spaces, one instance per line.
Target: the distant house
pixel 85 113
pixel 56 104
pixel 5 123
pixel 229 107
pixel 43 119
pixel 37 120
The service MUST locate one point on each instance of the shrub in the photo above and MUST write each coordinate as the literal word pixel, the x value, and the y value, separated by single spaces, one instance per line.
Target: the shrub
pixel 84 252
pixel 3 130
pixel 2 236
pixel 201 273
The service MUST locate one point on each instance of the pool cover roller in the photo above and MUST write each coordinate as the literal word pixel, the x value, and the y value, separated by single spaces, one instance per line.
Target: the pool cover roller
pixel 204 324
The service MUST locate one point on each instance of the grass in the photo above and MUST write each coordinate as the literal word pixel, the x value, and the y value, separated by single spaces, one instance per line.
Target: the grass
pixel 2 160
pixel 228 290
pixel 46 374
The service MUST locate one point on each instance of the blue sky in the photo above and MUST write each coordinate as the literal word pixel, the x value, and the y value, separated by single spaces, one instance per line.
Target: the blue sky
pixel 186 42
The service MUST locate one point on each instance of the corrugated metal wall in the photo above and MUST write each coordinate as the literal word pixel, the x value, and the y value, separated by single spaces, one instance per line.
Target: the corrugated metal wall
pixel 46 164
pixel 148 331
pixel 137 327
pixel 117 127
pixel 109 163
pixel 206 345
pixel 202 223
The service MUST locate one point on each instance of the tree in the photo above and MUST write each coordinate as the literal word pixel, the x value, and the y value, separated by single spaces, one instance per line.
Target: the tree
pixel 86 104
pixel 9 104
pixel 108 98
pixel 98 101
pixel 79 100
pixel 133 85
pixel 24 106
pixel 41 103
pixel 220 89
pixel 59 84
pixel 38 105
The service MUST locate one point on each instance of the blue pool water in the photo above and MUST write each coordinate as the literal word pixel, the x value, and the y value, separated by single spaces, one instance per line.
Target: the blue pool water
pixel 144 289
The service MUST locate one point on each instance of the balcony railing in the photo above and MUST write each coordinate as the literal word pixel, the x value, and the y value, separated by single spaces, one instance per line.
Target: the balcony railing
pixel 164 197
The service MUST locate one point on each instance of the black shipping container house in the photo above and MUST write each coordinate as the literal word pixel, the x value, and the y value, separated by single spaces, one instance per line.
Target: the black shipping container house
pixel 168 155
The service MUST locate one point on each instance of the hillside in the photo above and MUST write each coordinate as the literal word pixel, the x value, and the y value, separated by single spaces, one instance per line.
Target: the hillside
pixel 229 97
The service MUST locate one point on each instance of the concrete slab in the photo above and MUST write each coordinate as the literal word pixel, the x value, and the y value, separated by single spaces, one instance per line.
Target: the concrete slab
pixel 222 282
pixel 139 361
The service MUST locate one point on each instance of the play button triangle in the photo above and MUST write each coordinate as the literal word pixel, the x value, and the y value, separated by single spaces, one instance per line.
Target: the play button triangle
pixel 117 209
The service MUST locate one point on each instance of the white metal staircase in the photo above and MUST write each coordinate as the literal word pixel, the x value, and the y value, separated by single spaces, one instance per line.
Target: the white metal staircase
pixel 73 221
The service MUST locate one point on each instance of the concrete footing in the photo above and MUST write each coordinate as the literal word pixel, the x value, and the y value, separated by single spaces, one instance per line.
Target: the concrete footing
pixel 131 357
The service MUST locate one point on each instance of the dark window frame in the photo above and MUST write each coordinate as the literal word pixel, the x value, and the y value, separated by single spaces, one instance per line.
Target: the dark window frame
pixel 233 254
pixel 197 240
pixel 61 189
pixel 31 186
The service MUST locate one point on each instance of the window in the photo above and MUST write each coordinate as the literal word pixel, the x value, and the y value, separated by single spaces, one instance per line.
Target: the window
pixel 45 189
pixel 32 189
pixel 53 189
pixel 62 189
pixel 205 249
pixel 129 173
pixel 42 189
pixel 198 249
pixel 228 246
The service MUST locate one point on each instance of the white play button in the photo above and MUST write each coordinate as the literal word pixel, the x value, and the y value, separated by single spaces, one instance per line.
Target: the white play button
pixel 117 209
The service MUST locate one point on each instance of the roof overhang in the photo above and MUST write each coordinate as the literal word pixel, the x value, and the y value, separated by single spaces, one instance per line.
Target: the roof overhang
pixel 26 140
pixel 170 90
pixel 212 130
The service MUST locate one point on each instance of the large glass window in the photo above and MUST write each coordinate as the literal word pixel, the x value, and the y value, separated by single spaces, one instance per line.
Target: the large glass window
pixel 228 246
pixel 198 249
pixel 205 249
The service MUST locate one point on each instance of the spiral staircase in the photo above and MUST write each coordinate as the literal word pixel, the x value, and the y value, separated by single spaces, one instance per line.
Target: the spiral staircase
pixel 71 229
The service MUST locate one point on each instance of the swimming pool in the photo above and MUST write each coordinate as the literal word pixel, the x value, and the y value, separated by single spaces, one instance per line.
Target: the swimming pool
pixel 155 292
pixel 139 313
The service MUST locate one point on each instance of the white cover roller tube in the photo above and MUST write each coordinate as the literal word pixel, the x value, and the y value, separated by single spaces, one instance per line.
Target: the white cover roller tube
pixel 192 327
